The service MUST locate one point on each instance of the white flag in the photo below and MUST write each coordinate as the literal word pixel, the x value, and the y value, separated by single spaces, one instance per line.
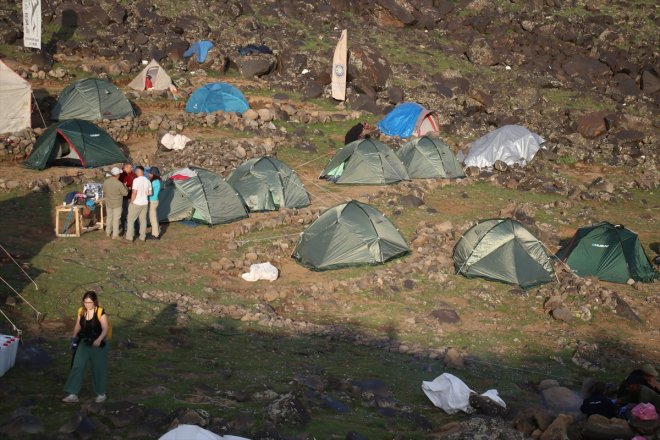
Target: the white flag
pixel 339 68
pixel 32 23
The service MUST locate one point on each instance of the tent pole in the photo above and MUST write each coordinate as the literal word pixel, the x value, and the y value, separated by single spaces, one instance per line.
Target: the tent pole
pixel 36 104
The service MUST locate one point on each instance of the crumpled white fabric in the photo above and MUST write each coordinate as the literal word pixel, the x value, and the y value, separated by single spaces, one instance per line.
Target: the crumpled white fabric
pixel 174 142
pixel 512 144
pixel 451 394
pixel 194 432
pixel 261 271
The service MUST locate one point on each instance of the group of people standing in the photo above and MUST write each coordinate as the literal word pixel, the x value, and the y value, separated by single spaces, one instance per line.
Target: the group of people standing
pixel 131 196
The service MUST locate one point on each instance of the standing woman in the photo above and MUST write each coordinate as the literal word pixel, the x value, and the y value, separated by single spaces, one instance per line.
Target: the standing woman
pixel 90 332
pixel 154 174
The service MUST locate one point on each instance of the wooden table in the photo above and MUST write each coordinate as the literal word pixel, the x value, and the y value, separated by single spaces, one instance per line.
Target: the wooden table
pixel 76 219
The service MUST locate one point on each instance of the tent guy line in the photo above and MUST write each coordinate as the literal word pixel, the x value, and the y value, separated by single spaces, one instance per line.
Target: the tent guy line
pixel 39 314
pixel 19 266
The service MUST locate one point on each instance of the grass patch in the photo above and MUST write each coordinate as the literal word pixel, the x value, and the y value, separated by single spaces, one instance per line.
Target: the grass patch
pixel 574 100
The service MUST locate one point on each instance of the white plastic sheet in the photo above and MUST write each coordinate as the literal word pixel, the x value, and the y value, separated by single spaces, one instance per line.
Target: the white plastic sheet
pixel 449 393
pixel 261 271
pixel 174 142
pixel 452 395
pixel 194 432
pixel 512 144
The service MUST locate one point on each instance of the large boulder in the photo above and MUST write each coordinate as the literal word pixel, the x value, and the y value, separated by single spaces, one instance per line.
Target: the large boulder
pixel 601 428
pixel 367 64
pixel 255 65
pixel 394 13
pixel 585 67
pixel 561 400
pixel 480 52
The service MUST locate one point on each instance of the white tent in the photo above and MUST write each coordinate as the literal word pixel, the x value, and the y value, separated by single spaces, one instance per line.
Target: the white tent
pixel 194 432
pixel 15 96
pixel 511 144
pixel 160 80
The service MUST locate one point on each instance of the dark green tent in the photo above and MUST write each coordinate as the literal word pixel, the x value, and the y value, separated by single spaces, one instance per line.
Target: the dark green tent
pixel 503 250
pixel 365 162
pixel 91 99
pixel 267 184
pixel 429 158
pixel 608 252
pixel 74 142
pixel 349 234
pixel 198 194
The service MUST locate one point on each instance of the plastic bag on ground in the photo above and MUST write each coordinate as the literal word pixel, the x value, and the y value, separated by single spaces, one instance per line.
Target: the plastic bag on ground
pixel 194 432
pixel 174 142
pixel 261 271
pixel 451 394
pixel 645 411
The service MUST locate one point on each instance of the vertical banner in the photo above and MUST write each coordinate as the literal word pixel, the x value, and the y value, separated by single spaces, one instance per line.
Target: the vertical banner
pixel 32 23
pixel 340 68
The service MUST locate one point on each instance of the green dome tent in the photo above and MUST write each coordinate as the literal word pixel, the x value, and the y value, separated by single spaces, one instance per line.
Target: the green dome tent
pixel 267 184
pixel 349 234
pixel 429 158
pixel 198 194
pixel 91 99
pixel 503 250
pixel 608 252
pixel 365 162
pixel 74 142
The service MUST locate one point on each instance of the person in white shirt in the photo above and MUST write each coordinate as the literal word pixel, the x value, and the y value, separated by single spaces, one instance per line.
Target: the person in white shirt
pixel 139 205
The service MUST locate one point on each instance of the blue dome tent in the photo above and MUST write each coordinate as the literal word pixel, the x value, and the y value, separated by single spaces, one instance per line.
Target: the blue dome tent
pixel 215 97
pixel 409 119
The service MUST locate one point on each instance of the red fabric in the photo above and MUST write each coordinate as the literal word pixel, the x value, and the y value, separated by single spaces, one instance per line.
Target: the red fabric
pixel 179 177
pixel 147 83
pixel 127 179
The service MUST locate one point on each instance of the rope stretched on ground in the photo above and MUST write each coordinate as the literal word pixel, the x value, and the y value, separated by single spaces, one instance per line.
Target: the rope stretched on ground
pixel 19 266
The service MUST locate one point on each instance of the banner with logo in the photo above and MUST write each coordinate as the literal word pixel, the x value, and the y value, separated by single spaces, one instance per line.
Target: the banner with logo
pixel 32 23
pixel 339 68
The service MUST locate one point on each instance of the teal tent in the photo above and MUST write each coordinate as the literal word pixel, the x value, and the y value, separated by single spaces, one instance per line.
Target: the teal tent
pixel 429 158
pixel 609 252
pixel 349 234
pixel 365 162
pixel 198 194
pixel 267 184
pixel 503 250
pixel 91 99
pixel 74 143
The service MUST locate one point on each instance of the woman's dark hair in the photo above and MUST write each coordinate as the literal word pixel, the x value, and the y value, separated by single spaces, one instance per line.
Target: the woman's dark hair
pixel 91 295
pixel 598 388
pixel 154 177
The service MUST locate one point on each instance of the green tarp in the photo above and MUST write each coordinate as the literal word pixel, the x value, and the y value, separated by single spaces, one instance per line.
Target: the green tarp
pixel 91 99
pixel 365 162
pixel 74 142
pixel 198 194
pixel 503 250
pixel 608 252
pixel 349 234
pixel 267 184
pixel 429 158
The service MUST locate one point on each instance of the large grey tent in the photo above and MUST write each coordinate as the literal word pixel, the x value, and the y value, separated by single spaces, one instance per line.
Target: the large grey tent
pixel 349 234
pixel 91 99
pixel 503 250
pixel 16 96
pixel 365 162
pixel 198 194
pixel 268 184
pixel 429 158
pixel 512 144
